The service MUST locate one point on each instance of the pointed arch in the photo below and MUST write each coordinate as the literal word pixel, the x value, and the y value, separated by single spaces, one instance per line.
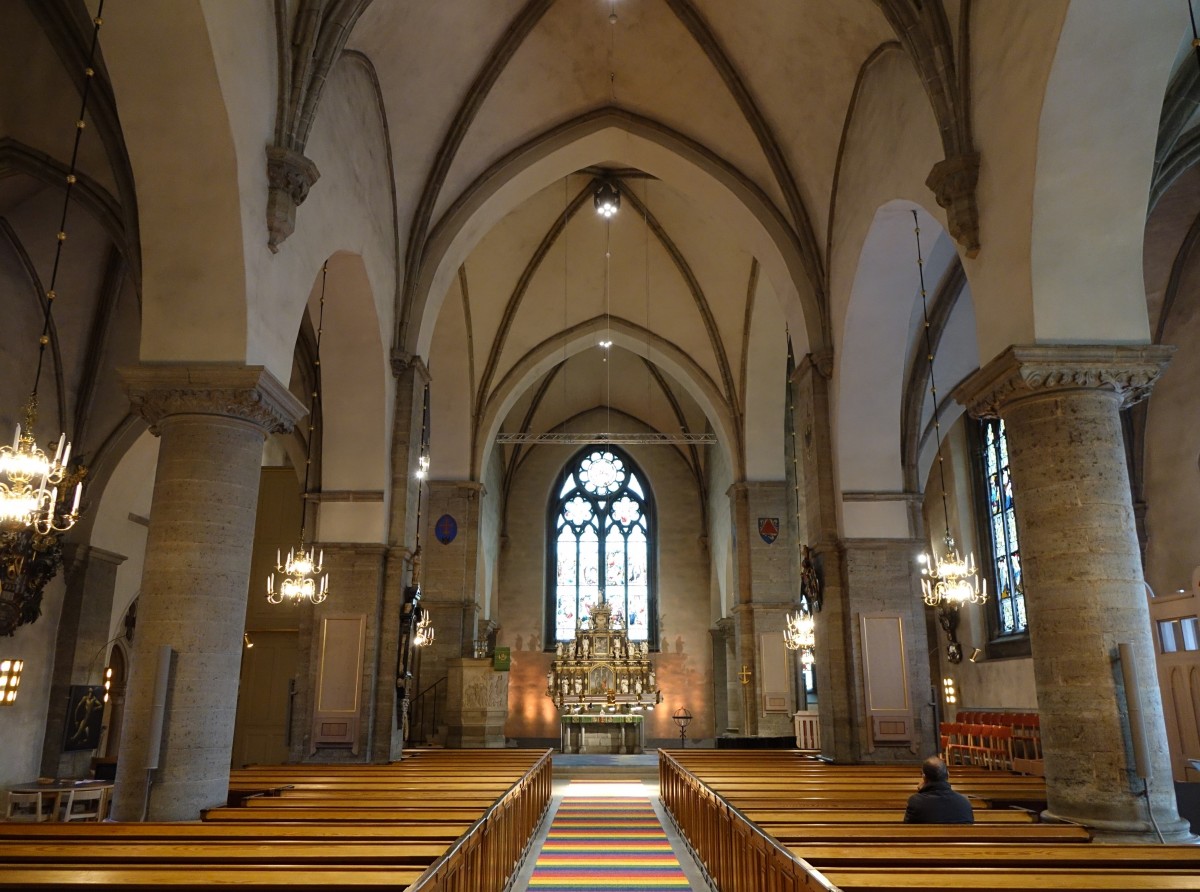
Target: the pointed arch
pixel 545 356
pixel 605 135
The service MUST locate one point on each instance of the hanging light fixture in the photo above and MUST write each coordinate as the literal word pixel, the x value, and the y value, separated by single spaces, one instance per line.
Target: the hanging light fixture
pixel 800 635
pixel 304 576
pixel 39 495
pixel 607 199
pixel 950 580
pixel 424 633
pixel 417 616
pixel 10 680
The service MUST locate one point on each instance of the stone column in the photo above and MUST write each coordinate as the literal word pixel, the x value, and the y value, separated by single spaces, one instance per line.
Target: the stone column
pixel 841 722
pixel 411 378
pixel 1084 588
pixel 212 420
pixel 91 577
pixel 766 591
pixel 727 711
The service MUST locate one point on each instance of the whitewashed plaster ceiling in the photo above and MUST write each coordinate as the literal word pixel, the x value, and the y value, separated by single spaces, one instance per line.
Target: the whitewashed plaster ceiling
pixel 762 88
pixel 471 88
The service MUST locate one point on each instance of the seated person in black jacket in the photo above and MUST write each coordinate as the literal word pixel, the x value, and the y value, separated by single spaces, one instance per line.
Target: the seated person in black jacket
pixel 934 802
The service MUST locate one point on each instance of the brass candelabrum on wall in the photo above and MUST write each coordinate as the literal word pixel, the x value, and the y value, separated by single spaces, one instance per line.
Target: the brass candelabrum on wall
pixel 602 670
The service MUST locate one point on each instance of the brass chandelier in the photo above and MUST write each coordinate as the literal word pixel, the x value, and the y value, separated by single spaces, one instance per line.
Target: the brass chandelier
pixel 40 494
pixel 800 635
pixel 950 580
pixel 303 573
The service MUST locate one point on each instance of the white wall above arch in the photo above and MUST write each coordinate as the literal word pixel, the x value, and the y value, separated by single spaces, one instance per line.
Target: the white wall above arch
pixel 1095 157
pixel 883 336
pixel 355 405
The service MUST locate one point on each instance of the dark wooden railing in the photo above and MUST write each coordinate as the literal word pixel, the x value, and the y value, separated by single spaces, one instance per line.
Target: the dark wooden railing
pixel 737 855
pixel 487 856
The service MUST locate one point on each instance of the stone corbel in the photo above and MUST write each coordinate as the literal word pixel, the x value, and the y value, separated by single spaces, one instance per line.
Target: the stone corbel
pixel 289 177
pixel 402 361
pixel 952 182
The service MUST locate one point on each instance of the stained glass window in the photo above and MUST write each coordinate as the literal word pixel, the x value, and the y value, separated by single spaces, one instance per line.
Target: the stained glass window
pixel 1002 523
pixel 601 524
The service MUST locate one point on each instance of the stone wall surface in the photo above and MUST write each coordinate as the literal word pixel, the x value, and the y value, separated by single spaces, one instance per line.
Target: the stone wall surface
pixel 684 661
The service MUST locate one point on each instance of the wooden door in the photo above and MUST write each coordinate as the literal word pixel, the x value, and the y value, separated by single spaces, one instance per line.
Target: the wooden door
pixel 1176 633
pixel 260 735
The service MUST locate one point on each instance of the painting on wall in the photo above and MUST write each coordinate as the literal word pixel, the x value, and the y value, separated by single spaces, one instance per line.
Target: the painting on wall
pixel 85 710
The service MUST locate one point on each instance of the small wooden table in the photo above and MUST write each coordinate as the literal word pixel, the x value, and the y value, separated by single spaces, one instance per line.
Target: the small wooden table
pixel 51 794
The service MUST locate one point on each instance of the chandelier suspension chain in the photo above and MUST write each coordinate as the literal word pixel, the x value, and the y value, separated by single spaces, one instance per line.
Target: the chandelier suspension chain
pixel 314 407
pixel 949 580
pixel 608 323
pixel 1195 34
pixel 937 425
pixel 80 124
pixel 303 573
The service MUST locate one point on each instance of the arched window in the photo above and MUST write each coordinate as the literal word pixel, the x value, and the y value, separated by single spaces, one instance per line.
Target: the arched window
pixel 601 529
pixel 1002 527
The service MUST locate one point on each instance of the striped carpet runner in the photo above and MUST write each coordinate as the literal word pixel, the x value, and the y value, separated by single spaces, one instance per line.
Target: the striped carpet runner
pixel 606 843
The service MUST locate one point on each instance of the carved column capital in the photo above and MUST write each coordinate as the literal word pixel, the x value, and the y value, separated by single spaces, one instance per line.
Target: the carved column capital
pixel 289 177
pixel 952 182
pixel 247 393
pixel 1021 373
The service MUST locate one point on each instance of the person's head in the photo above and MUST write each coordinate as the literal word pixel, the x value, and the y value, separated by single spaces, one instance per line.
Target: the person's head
pixel 934 770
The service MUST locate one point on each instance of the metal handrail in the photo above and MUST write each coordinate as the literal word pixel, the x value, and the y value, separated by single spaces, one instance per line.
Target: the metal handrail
pixel 418 711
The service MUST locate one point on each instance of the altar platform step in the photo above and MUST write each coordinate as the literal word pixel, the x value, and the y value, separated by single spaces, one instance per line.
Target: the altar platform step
pixel 607 768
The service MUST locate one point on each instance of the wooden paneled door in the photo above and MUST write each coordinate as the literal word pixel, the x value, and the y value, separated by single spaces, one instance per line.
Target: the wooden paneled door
pixel 1176 621
pixel 260 735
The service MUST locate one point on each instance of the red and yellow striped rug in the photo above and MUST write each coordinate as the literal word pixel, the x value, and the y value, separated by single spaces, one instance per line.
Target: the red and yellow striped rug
pixel 606 843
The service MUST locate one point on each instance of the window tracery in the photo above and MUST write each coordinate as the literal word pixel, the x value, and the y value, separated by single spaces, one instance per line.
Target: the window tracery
pixel 601 526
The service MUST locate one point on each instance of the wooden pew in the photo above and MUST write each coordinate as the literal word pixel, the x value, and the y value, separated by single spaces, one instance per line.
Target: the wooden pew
pixel 854 855
pixel 415 832
pixel 1076 879
pixel 216 832
pixel 829 815
pixel 860 849
pixel 798 835
pixel 428 814
pixel 330 852
pixel 187 877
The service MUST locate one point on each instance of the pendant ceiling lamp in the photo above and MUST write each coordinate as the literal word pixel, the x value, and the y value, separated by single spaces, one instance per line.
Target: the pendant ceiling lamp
pixel 949 580
pixel 302 575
